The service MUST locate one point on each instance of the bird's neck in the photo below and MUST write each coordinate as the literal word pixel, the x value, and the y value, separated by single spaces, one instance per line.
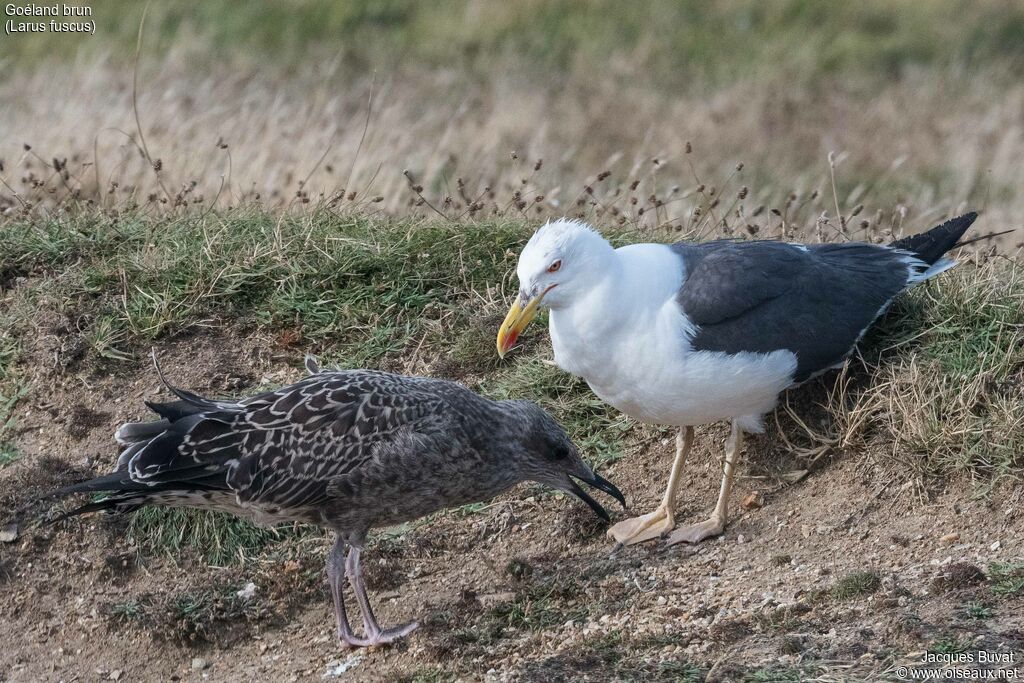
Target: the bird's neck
pixel 581 328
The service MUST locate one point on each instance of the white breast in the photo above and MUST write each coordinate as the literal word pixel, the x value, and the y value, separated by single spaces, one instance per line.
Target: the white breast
pixel 629 340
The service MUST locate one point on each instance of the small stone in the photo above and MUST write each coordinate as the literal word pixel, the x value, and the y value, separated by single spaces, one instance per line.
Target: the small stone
pixel 198 664
pixel 950 538
pixel 741 538
pixel 115 675
pixel 662 600
pixel 247 592
pixel 752 501
pixel 9 534
pixel 995 546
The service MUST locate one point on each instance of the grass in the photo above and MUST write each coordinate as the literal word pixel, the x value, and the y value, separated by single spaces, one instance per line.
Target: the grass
pixel 855 585
pixel 617 656
pixel 950 646
pixel 946 384
pixel 719 40
pixel 1007 578
pixel 217 538
pixel 426 296
pixel 978 610
pixel 208 615
pixel 12 389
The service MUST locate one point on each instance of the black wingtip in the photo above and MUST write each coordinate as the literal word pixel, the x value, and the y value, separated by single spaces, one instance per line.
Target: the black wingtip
pixel 930 245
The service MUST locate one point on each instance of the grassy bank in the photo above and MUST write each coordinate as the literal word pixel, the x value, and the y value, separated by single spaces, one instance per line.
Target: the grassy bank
pixel 938 382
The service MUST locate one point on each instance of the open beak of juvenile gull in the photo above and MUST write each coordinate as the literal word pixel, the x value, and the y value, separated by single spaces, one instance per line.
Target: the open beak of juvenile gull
pixel 523 311
pixel 599 483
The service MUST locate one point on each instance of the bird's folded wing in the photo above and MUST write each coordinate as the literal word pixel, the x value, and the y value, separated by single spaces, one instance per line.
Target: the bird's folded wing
pixel 815 301
pixel 281 447
pixel 726 279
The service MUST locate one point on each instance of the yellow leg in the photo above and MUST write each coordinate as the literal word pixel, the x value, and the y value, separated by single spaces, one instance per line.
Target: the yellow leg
pixel 660 522
pixel 715 525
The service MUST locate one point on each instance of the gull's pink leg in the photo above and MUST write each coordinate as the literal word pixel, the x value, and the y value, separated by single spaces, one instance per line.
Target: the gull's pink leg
pixel 336 579
pixel 375 635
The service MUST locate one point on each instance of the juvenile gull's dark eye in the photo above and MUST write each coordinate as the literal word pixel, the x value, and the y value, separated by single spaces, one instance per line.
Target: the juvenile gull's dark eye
pixel 553 268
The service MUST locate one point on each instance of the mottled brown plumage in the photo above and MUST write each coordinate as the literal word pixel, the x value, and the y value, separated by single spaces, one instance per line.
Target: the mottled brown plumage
pixel 347 450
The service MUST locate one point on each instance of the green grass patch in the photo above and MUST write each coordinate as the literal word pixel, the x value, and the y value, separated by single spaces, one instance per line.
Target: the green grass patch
pixel 428 674
pixel 950 646
pixel 371 292
pixel 977 610
pixel 1007 578
pixel 367 288
pixel 540 606
pixel 12 388
pixel 218 538
pixel 855 585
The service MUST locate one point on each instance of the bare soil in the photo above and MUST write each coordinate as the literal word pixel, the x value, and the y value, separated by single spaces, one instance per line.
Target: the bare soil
pixel 839 576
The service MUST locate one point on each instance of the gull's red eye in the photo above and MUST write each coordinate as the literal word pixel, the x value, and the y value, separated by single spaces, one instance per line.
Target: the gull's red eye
pixel 553 268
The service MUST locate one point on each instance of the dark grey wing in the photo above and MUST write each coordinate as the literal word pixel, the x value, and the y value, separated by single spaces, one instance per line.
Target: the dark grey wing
pixel 280 449
pixel 725 279
pixel 814 300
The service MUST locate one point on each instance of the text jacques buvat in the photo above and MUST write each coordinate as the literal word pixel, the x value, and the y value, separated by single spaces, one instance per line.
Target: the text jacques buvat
pixel 59 18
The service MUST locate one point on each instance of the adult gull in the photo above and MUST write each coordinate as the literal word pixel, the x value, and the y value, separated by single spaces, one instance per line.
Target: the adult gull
pixel 685 334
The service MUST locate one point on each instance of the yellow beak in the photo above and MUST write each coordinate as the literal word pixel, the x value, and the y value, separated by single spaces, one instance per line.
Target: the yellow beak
pixel 515 322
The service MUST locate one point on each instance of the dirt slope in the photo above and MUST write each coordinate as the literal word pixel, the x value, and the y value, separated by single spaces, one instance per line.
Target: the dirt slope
pixel 839 576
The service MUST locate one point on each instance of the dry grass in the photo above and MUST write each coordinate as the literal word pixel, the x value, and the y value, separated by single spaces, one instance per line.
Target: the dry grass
pixel 946 378
pixel 601 131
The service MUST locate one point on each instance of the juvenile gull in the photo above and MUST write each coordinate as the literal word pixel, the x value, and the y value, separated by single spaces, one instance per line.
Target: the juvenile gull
pixel 684 334
pixel 345 450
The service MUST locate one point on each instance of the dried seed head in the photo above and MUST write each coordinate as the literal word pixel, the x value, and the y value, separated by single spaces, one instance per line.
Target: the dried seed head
pixel 633 185
pixel 742 194
pixel 689 147
pixel 739 167
pixel 514 155
pixel 536 166
pixel 602 175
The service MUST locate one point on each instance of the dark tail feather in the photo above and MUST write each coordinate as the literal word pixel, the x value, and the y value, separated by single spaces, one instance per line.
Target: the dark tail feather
pixel 115 482
pixel 119 504
pixel 127 495
pixel 187 396
pixel 931 245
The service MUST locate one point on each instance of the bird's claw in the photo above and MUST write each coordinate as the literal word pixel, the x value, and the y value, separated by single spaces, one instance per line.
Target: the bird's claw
pixel 382 637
